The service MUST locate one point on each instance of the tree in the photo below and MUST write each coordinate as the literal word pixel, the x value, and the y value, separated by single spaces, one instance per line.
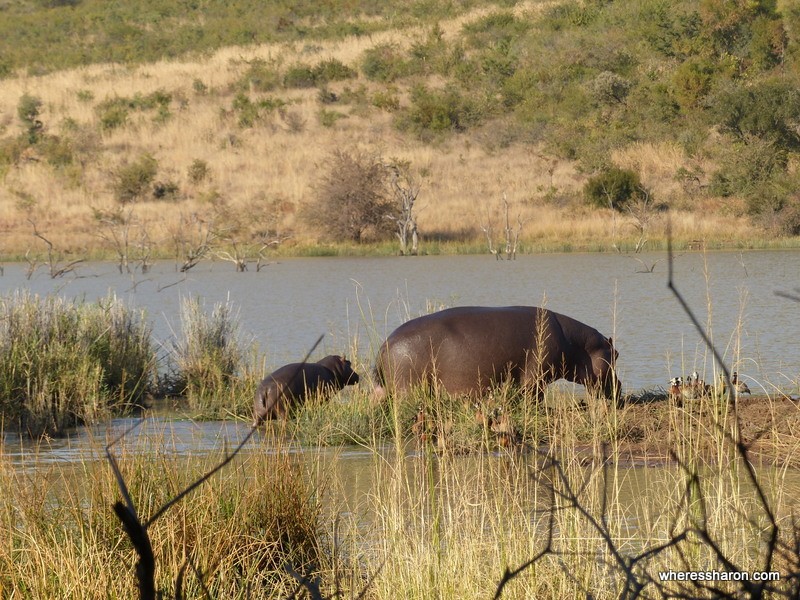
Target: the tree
pixel 352 199
pixel 405 188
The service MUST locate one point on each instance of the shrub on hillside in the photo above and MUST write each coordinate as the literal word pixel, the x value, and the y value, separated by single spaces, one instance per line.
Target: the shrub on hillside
pixel 614 188
pixel 133 181
pixel 384 63
pixel 438 111
pixel 258 77
pixel 770 110
pixel 747 168
pixel 352 200
pixel 28 111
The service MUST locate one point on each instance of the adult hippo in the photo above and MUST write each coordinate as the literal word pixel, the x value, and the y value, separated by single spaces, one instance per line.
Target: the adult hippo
pixel 469 349
pixel 290 384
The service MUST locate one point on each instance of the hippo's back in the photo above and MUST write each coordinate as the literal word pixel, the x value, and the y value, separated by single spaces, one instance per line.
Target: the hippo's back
pixel 465 348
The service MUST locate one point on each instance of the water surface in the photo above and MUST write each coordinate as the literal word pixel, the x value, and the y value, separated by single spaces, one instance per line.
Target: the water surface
pixel 356 302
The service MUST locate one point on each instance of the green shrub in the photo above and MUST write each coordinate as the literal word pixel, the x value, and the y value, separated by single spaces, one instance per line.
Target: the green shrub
pixel 746 168
pixel 692 81
pixel 113 112
pixel 769 110
pixel 387 99
pixel 133 181
pixel 614 188
pixel 609 88
pixel 251 113
pixel 300 76
pixel 199 87
pixel 29 110
pixel 112 116
pixel 333 70
pixel 328 118
pixel 56 151
pixel 433 112
pixel 384 63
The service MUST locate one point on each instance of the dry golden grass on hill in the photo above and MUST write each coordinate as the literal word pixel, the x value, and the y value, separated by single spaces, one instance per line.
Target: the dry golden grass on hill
pixel 464 180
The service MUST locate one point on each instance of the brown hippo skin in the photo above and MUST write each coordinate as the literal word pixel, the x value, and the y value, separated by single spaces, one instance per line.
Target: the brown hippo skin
pixel 290 384
pixel 471 348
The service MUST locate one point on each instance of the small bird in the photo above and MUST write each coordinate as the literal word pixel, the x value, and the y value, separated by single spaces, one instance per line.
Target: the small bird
pixel 739 386
pixel 675 385
pixel 500 424
pixel 422 428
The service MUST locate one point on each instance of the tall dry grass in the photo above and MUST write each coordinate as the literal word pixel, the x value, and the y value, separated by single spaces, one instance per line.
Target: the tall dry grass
pixel 231 537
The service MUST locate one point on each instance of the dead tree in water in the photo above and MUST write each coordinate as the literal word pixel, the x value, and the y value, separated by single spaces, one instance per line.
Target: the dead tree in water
pixel 405 188
pixel 116 230
pixel 54 257
pixel 193 237
pixel 511 235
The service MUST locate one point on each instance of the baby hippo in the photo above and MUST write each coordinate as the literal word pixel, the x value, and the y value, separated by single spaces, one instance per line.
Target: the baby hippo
pixel 290 384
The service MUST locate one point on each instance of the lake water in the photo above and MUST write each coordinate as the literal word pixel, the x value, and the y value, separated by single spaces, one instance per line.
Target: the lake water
pixel 357 302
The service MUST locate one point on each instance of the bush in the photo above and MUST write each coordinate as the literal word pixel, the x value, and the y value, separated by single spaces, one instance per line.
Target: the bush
pixel 28 110
pixel 770 111
pixel 198 171
pixel 63 363
pixel 609 88
pixel 384 63
pixel 328 118
pixel 614 188
pixel 251 113
pixel 133 181
pixel 300 76
pixel 438 111
pixel 333 70
pixel 748 167
pixel 352 200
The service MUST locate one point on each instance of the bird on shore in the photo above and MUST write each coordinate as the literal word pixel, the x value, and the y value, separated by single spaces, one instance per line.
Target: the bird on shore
pixel 695 387
pixel 740 387
pixel 675 385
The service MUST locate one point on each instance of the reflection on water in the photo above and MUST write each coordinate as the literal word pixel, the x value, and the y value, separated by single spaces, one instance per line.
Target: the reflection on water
pixel 358 301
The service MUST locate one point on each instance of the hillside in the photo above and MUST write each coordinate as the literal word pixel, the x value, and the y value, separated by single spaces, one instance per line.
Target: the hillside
pixel 192 138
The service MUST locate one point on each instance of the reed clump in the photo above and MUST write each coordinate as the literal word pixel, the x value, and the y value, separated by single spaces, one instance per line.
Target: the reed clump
pixel 209 365
pixel 69 362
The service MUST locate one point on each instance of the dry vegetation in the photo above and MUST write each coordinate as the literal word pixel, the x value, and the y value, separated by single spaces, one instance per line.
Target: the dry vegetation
pixel 268 172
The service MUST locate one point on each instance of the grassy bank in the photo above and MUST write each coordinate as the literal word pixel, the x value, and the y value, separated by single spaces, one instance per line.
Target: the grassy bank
pixel 410 519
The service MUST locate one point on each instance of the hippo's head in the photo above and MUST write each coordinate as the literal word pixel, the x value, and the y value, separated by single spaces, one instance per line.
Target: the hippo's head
pixel 341 369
